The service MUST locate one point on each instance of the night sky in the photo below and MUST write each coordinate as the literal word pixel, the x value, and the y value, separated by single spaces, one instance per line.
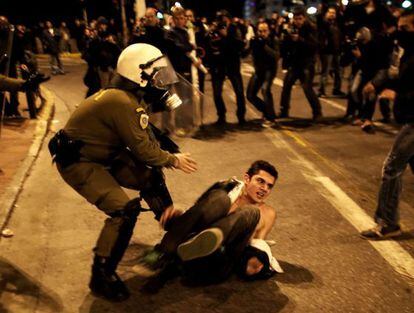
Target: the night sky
pixel 31 11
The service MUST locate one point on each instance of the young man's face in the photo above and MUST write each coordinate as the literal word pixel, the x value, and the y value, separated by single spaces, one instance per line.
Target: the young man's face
pixel 258 186
pixel 299 20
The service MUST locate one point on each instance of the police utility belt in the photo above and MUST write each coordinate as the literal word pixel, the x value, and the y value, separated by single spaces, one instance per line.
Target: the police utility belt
pixel 64 150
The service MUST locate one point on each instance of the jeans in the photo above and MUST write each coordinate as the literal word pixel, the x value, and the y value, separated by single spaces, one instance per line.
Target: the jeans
pixel 329 61
pixel 217 80
pixel 55 63
pixel 401 154
pixel 263 80
pixel 212 211
pixel 305 75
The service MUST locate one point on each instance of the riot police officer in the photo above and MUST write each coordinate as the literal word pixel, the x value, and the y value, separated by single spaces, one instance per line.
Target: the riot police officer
pixel 107 143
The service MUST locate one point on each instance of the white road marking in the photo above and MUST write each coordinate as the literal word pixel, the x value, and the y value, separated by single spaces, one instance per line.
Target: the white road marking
pixel 401 261
pixel 391 251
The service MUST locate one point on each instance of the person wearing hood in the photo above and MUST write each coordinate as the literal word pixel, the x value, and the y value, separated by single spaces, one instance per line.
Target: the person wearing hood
pixel 108 143
pixel 401 91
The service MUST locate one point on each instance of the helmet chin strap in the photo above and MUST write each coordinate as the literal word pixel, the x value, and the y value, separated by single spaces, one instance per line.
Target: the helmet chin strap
pixel 120 82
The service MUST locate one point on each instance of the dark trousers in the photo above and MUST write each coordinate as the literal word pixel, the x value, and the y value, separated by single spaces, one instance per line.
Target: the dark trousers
pixel 12 107
pixel 237 229
pixel 212 211
pixel 359 105
pixel 262 80
pixel 217 80
pixel 328 62
pixel 305 75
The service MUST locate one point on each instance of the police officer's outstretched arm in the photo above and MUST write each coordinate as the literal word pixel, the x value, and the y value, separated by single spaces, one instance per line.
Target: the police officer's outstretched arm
pixel 132 126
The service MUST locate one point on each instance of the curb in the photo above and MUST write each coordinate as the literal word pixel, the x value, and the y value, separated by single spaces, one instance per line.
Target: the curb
pixel 9 198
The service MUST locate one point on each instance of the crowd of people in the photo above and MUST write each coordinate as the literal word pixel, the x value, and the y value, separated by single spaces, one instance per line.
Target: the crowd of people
pixel 358 39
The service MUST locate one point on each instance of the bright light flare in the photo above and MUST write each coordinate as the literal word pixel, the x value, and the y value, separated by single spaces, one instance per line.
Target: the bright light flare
pixel 406 4
pixel 312 10
pixel 345 2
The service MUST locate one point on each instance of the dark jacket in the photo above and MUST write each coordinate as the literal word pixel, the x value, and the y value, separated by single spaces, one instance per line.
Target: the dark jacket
pixel 404 87
pixel 224 52
pixel 375 59
pixel 51 42
pixel 301 53
pixel 329 37
pixel 265 53
pixel 153 35
pixel 178 45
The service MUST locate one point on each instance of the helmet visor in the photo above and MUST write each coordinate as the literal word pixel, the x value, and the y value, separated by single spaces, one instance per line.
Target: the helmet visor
pixel 164 75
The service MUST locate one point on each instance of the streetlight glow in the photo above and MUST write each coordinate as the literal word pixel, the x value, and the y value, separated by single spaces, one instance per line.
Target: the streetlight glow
pixel 345 2
pixel 311 10
pixel 406 4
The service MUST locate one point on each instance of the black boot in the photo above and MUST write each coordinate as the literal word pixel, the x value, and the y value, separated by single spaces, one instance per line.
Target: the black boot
pixel 106 283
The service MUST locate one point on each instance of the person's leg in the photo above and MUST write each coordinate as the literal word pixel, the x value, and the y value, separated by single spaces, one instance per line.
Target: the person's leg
pixel 324 72
pixel 337 75
pixel 288 82
pixel 217 81
pixel 391 184
pixel 267 95
pixel 253 87
pixel 206 264
pixel 306 79
pixel 237 83
pixel 97 185
pixel 201 215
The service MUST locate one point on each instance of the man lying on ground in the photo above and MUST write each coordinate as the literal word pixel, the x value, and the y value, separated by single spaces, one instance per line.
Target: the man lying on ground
pixel 212 238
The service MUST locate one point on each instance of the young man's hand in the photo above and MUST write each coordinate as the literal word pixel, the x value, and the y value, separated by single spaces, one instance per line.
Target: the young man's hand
pixel 168 214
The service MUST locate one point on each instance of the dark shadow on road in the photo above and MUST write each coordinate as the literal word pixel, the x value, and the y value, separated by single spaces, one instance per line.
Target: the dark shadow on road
pixel 174 294
pixel 231 296
pixel 15 283
pixel 302 124
pixel 294 274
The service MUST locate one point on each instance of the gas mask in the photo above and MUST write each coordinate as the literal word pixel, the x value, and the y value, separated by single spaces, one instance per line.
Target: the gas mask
pixel 160 91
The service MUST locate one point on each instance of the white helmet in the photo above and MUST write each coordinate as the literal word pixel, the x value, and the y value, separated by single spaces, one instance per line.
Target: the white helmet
pixel 143 63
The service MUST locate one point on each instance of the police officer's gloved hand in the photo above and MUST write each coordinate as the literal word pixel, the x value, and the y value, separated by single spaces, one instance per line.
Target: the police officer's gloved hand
pixel 33 82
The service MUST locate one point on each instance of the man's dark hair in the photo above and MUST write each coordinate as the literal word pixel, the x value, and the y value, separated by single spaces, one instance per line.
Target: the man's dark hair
pixel 264 166
pixel 299 10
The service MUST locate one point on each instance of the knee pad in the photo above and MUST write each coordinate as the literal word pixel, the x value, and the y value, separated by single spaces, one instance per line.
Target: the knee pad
pixel 130 211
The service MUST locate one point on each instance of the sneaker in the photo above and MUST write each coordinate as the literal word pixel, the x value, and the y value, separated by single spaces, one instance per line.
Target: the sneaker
pixel 381 232
pixel 316 118
pixel 339 93
pixel 268 124
pixel 203 244
pixel 368 128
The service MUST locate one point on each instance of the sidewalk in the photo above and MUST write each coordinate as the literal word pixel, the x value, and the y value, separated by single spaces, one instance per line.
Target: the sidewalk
pixel 20 142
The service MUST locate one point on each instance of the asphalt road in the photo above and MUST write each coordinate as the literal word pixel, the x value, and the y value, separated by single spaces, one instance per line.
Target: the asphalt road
pixel 329 178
